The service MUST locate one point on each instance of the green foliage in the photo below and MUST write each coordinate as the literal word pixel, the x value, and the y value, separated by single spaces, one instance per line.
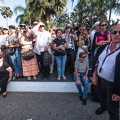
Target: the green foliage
pixel 6 12
pixel 90 11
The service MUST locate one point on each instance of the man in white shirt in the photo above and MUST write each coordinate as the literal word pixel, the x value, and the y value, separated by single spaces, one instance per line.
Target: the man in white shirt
pixel 108 71
pixel 43 40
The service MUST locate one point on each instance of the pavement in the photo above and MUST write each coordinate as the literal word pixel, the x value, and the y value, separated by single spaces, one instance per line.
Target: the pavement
pixel 47 106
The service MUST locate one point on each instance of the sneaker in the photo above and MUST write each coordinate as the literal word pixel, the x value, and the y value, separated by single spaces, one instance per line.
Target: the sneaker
pixel 84 102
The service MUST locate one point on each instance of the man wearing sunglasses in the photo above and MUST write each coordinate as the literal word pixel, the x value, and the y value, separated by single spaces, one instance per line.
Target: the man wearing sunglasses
pixel 42 44
pixel 108 71
pixel 80 76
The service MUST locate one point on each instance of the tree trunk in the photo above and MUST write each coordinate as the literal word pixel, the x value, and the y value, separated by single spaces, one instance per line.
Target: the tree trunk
pixel 109 16
pixel 7 21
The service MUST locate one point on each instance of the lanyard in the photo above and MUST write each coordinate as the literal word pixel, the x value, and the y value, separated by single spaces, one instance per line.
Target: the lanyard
pixel 116 49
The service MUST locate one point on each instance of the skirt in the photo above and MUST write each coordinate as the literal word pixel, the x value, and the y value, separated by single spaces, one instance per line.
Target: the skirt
pixel 30 67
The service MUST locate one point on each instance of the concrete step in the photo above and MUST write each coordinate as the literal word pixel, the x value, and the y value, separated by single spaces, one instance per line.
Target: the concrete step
pixel 31 86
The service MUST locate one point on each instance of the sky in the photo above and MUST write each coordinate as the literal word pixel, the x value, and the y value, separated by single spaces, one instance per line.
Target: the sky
pixel 13 3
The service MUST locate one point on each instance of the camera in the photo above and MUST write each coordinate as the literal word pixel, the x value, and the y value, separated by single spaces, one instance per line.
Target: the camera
pixel 22 26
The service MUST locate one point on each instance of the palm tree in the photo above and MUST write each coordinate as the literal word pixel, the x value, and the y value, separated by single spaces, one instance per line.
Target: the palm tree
pixel 46 8
pixel 24 17
pixel 94 10
pixel 6 13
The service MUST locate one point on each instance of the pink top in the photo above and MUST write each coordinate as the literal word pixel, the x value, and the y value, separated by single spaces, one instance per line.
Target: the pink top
pixel 101 38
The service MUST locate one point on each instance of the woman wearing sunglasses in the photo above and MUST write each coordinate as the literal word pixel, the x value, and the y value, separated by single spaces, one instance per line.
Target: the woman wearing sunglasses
pixel 102 36
pixel 80 76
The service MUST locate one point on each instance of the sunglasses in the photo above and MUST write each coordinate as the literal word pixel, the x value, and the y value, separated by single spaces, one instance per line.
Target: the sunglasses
pixel 115 32
pixel 41 25
pixel 103 25
pixel 83 56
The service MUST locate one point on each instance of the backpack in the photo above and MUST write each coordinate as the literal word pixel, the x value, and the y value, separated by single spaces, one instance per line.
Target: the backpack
pixel 47 58
pixel 94 93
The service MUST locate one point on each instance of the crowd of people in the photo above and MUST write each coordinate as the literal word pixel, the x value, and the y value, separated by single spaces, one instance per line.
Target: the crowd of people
pixel 73 50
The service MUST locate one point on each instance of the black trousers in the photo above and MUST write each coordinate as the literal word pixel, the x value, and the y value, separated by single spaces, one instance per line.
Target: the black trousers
pixel 45 70
pixel 70 62
pixel 3 83
pixel 105 91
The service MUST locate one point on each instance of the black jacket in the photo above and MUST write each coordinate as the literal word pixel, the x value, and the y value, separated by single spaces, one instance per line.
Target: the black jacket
pixel 116 86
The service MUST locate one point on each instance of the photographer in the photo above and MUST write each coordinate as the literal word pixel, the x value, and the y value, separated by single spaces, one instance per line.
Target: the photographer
pixel 29 67
pixel 70 50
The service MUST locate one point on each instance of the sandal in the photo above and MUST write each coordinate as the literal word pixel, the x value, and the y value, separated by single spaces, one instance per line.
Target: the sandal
pixel 58 78
pixel 34 77
pixel 29 78
pixel 64 78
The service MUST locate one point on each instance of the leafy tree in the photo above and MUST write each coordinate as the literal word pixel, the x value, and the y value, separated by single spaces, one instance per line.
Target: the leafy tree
pixel 25 16
pixel 90 11
pixel 45 9
pixel 6 13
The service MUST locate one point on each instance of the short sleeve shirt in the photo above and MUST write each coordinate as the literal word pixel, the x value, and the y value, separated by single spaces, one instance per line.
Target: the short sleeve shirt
pixel 12 39
pixel 81 66
pixel 59 42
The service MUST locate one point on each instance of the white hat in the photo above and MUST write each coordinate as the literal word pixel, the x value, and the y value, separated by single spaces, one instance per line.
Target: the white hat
pixel 95 24
pixel 41 23
pixel 35 22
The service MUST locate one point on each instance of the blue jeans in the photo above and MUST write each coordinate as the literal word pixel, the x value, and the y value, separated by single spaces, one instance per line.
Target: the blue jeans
pixel 16 59
pixel 61 60
pixel 85 84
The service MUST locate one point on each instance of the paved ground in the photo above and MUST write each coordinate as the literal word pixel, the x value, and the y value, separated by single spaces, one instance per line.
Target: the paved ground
pixel 47 106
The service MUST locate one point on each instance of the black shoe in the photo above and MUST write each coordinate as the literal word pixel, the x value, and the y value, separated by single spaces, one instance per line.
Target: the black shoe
pixel 100 111
pixel 47 77
pixel 16 77
pixel 4 96
pixel 80 97
pixel 84 102
pixel 42 77
pixel 22 77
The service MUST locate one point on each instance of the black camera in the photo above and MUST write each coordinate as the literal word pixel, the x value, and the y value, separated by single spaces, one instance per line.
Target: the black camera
pixel 22 26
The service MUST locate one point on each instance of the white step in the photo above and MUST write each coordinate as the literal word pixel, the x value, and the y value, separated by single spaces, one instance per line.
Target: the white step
pixel 23 86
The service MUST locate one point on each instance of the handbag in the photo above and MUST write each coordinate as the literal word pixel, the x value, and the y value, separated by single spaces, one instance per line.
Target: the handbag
pixel 69 51
pixel 10 51
pixel 60 52
pixel 28 55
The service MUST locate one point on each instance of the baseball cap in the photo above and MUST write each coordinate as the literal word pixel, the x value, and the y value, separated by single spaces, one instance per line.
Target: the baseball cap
pixel 95 24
